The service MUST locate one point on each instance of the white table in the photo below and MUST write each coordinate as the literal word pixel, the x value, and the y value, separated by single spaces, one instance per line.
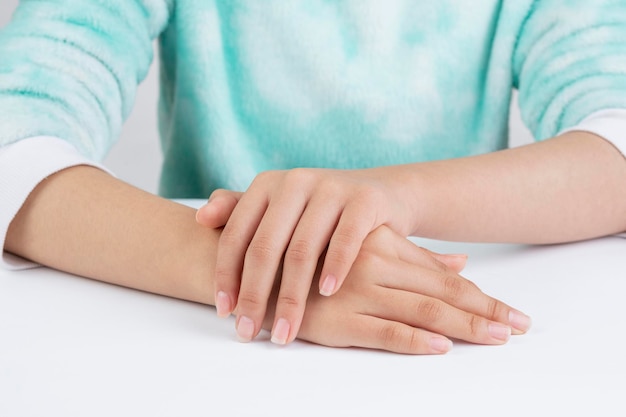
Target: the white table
pixel 71 346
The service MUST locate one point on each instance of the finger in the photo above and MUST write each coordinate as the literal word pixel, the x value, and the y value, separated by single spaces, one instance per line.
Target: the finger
pixel 456 291
pixel 393 336
pixel 263 257
pixel 218 209
pixel 435 315
pixel 411 253
pixel 300 263
pixel 408 253
pixel 354 225
pixel 456 262
pixel 232 246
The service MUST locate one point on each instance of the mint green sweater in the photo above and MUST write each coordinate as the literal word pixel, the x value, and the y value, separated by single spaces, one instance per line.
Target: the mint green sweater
pixel 250 85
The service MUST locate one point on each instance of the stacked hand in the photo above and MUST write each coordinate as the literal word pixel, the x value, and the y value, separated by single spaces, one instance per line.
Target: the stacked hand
pixel 356 222
pixel 399 297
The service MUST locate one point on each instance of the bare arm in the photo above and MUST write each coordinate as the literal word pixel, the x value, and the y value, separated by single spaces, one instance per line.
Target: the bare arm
pixel 84 221
pixel 569 188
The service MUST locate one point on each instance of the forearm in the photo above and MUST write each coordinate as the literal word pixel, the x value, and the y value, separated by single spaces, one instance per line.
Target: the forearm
pixel 82 220
pixel 568 188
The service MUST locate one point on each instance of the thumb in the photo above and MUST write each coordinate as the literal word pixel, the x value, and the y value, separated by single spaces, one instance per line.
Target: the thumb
pixel 216 212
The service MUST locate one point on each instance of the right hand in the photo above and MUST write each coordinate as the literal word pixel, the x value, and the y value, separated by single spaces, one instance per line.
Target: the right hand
pixel 216 212
pixel 400 298
pixel 292 217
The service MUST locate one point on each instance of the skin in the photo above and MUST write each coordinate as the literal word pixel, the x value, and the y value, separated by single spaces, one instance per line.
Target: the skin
pixel 560 190
pixel 399 297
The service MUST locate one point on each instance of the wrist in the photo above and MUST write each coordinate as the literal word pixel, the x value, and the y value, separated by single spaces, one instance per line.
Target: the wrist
pixel 408 188
pixel 192 275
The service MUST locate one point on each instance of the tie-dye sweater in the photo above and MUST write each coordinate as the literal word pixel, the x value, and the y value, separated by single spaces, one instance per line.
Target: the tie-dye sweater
pixel 251 85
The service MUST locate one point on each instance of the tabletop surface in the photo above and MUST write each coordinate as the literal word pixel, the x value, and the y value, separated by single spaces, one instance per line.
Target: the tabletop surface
pixel 71 346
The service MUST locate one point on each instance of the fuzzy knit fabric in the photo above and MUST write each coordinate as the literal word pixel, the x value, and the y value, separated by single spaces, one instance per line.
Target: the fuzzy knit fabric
pixel 249 85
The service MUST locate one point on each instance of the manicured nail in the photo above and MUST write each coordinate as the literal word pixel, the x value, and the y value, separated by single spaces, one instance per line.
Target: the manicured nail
pixel 499 332
pixel 328 286
pixel 245 329
pixel 440 344
pixel 222 304
pixel 520 321
pixel 198 216
pixel 281 332
pixel 198 213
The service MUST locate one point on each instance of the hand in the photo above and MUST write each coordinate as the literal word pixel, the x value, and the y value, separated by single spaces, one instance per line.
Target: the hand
pixel 220 206
pixel 399 298
pixel 297 215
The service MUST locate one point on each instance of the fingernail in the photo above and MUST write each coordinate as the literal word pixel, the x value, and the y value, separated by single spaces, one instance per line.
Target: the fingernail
pixel 499 332
pixel 519 320
pixel 198 216
pixel 281 332
pixel 328 286
pixel 440 344
pixel 211 198
pixel 245 329
pixel 222 304
pixel 198 213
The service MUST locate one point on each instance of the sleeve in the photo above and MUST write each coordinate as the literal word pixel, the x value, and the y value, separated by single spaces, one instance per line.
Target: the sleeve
pixel 70 69
pixel 570 62
pixel 23 165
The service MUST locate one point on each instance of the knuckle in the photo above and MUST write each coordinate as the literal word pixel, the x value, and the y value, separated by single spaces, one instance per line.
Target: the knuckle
pixel 454 288
pixel 261 250
pixel 251 300
pixel 223 275
pixel 346 234
pixel 264 177
pixel 300 176
pixel 413 342
pixel 396 338
pixel 389 334
pixel 299 251
pixel 430 310
pixel 474 325
pixel 492 308
pixel 369 196
pixel 331 187
pixel 289 301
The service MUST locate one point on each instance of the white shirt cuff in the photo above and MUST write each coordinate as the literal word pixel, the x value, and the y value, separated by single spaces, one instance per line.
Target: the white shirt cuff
pixel 609 124
pixel 23 165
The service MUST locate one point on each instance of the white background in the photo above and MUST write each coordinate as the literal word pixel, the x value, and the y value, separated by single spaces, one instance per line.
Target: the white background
pixel 137 157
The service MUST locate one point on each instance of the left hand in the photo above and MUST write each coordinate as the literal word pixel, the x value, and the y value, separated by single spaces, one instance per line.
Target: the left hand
pixel 297 214
pixel 400 298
